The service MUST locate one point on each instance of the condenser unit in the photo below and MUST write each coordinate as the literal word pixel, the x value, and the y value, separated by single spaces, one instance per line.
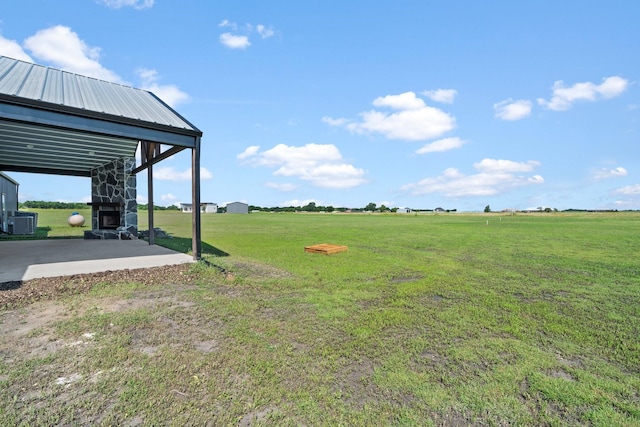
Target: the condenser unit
pixel 21 225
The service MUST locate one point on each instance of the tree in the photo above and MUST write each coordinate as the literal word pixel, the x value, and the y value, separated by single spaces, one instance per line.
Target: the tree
pixel 487 208
pixel 311 207
pixel 370 207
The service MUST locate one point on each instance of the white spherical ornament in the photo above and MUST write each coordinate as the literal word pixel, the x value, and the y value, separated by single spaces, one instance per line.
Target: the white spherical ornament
pixel 76 220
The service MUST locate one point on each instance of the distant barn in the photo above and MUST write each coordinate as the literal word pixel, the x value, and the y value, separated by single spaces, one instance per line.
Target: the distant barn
pixel 238 208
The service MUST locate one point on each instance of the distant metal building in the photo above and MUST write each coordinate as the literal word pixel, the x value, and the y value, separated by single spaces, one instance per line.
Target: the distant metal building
pixel 238 208
pixel 8 200
pixel 205 207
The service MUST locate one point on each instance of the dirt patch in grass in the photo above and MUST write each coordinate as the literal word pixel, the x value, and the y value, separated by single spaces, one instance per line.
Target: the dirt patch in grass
pixel 90 353
pixel 406 279
pixel 31 308
pixel 16 294
pixel 258 271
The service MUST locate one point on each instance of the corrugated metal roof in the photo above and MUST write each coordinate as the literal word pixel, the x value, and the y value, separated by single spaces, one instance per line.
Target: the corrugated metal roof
pixel 48 85
pixel 52 121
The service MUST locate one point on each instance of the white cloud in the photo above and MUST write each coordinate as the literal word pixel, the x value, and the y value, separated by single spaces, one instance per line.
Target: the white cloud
pixel 335 122
pixel 404 101
pixel 64 49
pixel 264 32
pixel 612 87
pixel 629 189
pixel 321 165
pixel 168 198
pixel 494 177
pixel 226 23
pixel 147 75
pixel 626 204
pixel 12 49
pixel 445 96
pixel 414 121
pixel 500 166
pixel 281 186
pixel 605 173
pixel 143 200
pixel 299 203
pixel 170 94
pixel 248 152
pixel 234 42
pixel 440 145
pixel 169 173
pixel 136 4
pixel 512 110
pixel 564 97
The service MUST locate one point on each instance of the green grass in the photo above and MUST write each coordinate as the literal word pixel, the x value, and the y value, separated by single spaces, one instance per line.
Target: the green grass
pixel 450 319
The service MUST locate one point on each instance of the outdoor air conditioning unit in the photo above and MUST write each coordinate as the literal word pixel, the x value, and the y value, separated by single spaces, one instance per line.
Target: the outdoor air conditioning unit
pixel 21 225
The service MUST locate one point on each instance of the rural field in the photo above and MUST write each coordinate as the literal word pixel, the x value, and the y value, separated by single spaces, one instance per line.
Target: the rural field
pixel 453 319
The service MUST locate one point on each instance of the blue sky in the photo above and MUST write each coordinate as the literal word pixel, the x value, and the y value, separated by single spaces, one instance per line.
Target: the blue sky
pixel 420 104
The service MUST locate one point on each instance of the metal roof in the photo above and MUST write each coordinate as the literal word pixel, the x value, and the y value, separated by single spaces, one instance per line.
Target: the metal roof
pixel 53 121
pixel 8 178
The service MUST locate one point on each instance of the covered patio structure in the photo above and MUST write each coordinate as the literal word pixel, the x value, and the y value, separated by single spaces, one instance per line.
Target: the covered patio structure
pixel 56 122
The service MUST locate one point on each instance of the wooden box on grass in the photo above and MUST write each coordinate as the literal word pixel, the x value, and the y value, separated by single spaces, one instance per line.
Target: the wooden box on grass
pixel 325 248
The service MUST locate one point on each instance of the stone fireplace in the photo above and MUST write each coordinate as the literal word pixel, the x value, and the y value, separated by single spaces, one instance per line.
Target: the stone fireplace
pixel 114 210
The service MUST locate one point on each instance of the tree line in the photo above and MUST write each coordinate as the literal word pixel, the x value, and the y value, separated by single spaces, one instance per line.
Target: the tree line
pixel 309 207
pixel 40 204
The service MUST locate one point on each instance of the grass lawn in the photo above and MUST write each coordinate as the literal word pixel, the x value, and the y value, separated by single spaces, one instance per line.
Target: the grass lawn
pixel 453 319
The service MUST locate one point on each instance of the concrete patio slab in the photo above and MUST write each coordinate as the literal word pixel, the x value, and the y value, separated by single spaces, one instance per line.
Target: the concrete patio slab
pixel 31 259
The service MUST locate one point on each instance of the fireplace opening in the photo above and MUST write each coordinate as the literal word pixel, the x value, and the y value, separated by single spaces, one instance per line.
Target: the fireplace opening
pixel 108 220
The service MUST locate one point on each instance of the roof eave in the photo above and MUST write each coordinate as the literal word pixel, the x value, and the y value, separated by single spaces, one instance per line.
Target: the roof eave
pixel 64 109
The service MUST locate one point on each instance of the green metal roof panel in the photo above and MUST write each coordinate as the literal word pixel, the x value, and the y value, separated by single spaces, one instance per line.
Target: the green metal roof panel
pixel 60 88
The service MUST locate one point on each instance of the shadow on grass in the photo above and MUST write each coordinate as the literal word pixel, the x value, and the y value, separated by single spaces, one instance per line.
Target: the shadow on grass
pixel 183 244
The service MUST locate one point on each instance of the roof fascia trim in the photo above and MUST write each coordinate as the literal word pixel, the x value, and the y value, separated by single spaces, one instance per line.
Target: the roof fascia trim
pixel 7 177
pixel 96 125
pixel 27 169
pixel 42 105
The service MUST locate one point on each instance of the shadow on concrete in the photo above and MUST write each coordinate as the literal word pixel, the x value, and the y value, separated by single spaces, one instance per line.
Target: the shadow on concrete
pixel 29 259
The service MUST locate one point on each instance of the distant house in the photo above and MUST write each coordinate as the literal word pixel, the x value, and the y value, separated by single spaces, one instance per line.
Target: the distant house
pixel 204 207
pixel 238 208
pixel 439 210
pixel 403 210
pixel 8 200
